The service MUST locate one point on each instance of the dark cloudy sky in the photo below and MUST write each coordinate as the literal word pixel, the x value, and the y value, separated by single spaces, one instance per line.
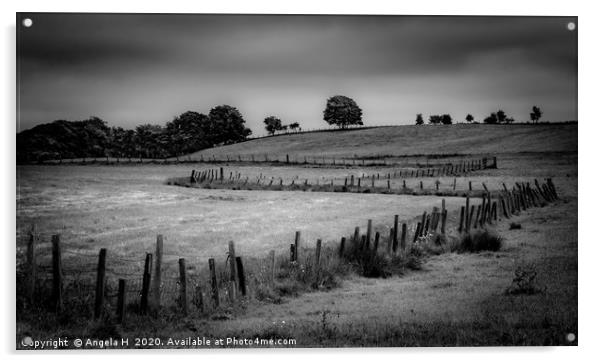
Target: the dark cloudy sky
pixel 132 69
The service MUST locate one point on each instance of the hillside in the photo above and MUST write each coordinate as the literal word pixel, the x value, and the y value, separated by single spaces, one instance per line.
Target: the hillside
pixel 413 140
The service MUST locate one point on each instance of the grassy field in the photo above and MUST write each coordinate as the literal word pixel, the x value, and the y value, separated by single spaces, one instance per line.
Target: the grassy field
pixel 412 140
pixel 457 299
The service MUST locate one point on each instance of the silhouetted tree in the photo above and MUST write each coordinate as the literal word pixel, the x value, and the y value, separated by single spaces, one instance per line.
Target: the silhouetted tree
pixel 342 111
pixel 294 126
pixel 226 125
pixel 469 118
pixel 536 114
pixel 272 124
pixel 501 116
pixel 419 119
pixel 491 119
pixel 446 119
pixel 434 119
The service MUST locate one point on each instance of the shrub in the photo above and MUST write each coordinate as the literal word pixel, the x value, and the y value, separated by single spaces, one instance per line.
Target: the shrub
pixel 478 241
pixel 524 282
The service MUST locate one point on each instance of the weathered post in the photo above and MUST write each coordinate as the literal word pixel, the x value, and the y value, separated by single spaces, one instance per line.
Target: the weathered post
pixel 297 241
pixel 242 282
pixel 443 220
pixel 461 219
pixel 214 287
pixel 395 232
pixel 157 278
pixel 369 232
pixel 404 231
pixel 146 277
pixel 121 298
pixel 100 283
pixel 183 300
pixel 232 261
pixel 342 247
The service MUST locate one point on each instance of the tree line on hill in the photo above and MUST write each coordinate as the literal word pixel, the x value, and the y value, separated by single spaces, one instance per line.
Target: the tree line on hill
pixel 498 117
pixel 187 133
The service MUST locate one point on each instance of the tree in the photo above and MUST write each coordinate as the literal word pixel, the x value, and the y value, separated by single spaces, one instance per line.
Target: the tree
pixel 501 116
pixel 226 125
pixel 294 126
pixel 434 119
pixel 272 124
pixel 491 119
pixel 342 111
pixel 446 119
pixel 187 133
pixel 469 118
pixel 536 114
pixel 419 119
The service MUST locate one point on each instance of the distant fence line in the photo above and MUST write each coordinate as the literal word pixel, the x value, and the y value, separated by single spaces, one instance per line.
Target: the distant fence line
pixel 150 286
pixel 365 183
pixel 286 159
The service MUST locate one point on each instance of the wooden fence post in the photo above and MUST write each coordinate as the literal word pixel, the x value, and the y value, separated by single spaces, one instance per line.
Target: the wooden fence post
pixel 318 251
pixel 121 298
pixel 100 283
pixel 183 295
pixel 395 232
pixel 31 264
pixel 214 288
pixel 57 273
pixel 242 282
pixel 146 276
pixel 416 233
pixel 157 278
pixel 232 260
pixel 342 247
pixel 297 241
pixel 469 220
pixel 477 218
pixel 461 219
pixel 443 220
pixel 376 241
pixel 369 232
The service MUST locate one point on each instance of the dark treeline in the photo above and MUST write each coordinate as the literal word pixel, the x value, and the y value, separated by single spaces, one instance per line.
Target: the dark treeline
pixel 187 133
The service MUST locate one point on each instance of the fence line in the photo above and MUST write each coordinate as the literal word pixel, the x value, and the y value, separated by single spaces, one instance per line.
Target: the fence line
pixel 207 290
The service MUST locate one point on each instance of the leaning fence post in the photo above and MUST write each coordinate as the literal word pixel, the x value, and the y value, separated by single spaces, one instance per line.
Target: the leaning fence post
pixel 31 264
pixel 183 295
pixel 100 283
pixel 57 273
pixel 146 276
pixel 461 219
pixel 242 283
pixel 214 288
pixel 121 302
pixel 157 280
pixel 418 227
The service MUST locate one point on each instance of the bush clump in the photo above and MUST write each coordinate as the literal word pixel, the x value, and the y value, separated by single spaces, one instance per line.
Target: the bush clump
pixel 478 241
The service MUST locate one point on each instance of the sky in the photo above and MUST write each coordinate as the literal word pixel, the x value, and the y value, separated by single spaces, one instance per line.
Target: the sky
pixel 130 69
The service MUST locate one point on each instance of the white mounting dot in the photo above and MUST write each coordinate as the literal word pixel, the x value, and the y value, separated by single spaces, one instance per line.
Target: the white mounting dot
pixel 27 22
pixel 571 26
pixel 570 337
